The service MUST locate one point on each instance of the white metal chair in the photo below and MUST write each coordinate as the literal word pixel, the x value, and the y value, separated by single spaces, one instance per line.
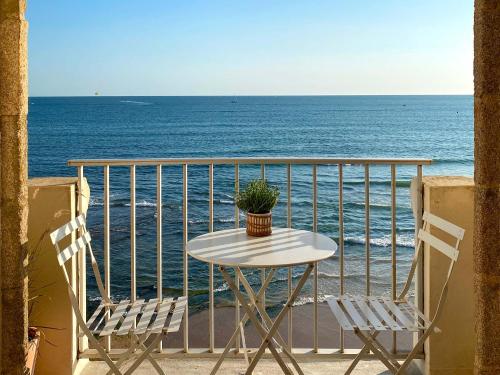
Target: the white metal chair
pixel 367 316
pixel 140 319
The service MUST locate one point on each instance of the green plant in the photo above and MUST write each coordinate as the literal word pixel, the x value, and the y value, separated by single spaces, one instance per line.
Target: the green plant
pixel 258 197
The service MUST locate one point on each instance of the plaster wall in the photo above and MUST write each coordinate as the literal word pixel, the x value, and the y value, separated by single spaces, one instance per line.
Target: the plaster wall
pixel 452 351
pixel 52 203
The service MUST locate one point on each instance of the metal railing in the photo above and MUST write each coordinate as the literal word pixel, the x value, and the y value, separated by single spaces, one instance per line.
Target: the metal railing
pixel 315 163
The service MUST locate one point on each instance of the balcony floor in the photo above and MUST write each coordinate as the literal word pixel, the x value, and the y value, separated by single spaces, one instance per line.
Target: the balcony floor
pixel 234 367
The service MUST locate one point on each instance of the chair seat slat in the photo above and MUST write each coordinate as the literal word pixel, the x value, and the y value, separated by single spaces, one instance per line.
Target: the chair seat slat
pixel 367 311
pixel 339 314
pixel 418 312
pixel 147 313
pixel 382 312
pixel 129 320
pixel 115 318
pixel 354 314
pixel 161 316
pixel 409 325
pixel 180 308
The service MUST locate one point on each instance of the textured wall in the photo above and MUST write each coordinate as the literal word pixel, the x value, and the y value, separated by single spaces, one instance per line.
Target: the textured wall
pixel 13 185
pixel 487 181
pixel 451 198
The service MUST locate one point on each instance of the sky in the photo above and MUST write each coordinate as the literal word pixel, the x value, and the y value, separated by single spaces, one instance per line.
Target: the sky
pixel 250 47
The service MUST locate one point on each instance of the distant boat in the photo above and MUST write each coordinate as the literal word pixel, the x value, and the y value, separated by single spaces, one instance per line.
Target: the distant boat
pixel 96 93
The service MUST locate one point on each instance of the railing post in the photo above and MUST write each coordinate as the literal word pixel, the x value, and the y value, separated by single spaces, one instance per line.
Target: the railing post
pixel 341 243
pixel 82 268
pixel 211 266
pixel 316 265
pixel 419 278
pixel 159 237
pixel 263 271
pixel 393 246
pixel 367 226
pixel 185 256
pixel 237 278
pixel 107 276
pixel 290 269
pixel 133 277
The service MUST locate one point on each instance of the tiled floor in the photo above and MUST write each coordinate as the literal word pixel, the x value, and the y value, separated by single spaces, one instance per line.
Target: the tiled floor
pixel 236 367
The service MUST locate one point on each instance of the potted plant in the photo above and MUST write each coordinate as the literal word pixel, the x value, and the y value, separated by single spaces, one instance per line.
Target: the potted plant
pixel 257 200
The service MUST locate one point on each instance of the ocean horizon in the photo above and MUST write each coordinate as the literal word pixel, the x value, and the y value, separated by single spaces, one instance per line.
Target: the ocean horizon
pixel 438 127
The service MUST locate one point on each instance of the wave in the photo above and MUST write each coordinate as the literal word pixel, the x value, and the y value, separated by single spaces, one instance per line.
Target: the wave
pixel 205 221
pixel 308 300
pixel 143 203
pixel 453 161
pixel 399 183
pixel 385 241
pixel 135 102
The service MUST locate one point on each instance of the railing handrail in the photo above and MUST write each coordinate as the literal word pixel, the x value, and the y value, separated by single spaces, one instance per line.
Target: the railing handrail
pixel 248 160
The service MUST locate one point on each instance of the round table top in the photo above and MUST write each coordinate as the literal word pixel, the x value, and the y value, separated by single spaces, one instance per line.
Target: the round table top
pixel 284 247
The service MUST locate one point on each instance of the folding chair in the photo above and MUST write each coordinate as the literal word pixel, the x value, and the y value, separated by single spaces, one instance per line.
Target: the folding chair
pixel 368 316
pixel 139 319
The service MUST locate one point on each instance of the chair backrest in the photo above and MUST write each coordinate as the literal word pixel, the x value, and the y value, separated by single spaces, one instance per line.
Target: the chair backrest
pixel 451 251
pixel 79 242
pixel 77 226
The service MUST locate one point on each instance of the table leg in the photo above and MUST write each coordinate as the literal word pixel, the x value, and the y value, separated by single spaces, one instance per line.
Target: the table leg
pixel 242 323
pixel 266 341
pixel 260 329
pixel 257 302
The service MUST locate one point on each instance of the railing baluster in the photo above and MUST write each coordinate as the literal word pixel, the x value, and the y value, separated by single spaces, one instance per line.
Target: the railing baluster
pixel 185 255
pixel 316 266
pixel 133 268
pixel 393 244
pixel 290 269
pixel 159 236
pixel 419 278
pixel 263 271
pixel 107 281
pixel 237 278
pixel 82 268
pixel 341 242
pixel 211 266
pixel 367 226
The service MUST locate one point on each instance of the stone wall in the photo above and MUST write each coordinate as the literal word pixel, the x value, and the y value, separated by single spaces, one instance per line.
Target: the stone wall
pixel 13 185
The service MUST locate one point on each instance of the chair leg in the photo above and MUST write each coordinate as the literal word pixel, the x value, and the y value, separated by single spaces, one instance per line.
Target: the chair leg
pixel 113 368
pixel 125 356
pixel 415 349
pixel 356 360
pixel 145 354
pixel 155 363
pixel 379 354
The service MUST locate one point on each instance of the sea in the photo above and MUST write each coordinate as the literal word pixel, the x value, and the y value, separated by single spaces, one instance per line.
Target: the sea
pixel 435 127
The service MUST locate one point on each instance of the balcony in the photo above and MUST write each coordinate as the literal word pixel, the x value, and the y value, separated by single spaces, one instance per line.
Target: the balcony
pixel 161 195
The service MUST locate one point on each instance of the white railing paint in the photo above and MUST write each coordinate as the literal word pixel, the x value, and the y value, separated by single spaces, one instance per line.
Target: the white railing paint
pixel 237 162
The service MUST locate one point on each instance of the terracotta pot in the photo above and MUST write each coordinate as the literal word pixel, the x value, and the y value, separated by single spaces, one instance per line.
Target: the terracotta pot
pixel 33 344
pixel 259 225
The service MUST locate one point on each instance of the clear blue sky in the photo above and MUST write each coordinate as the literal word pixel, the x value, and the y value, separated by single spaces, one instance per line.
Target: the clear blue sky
pixel 250 47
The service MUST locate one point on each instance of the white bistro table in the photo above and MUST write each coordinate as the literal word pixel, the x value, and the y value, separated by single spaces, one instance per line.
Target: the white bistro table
pixel 284 248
